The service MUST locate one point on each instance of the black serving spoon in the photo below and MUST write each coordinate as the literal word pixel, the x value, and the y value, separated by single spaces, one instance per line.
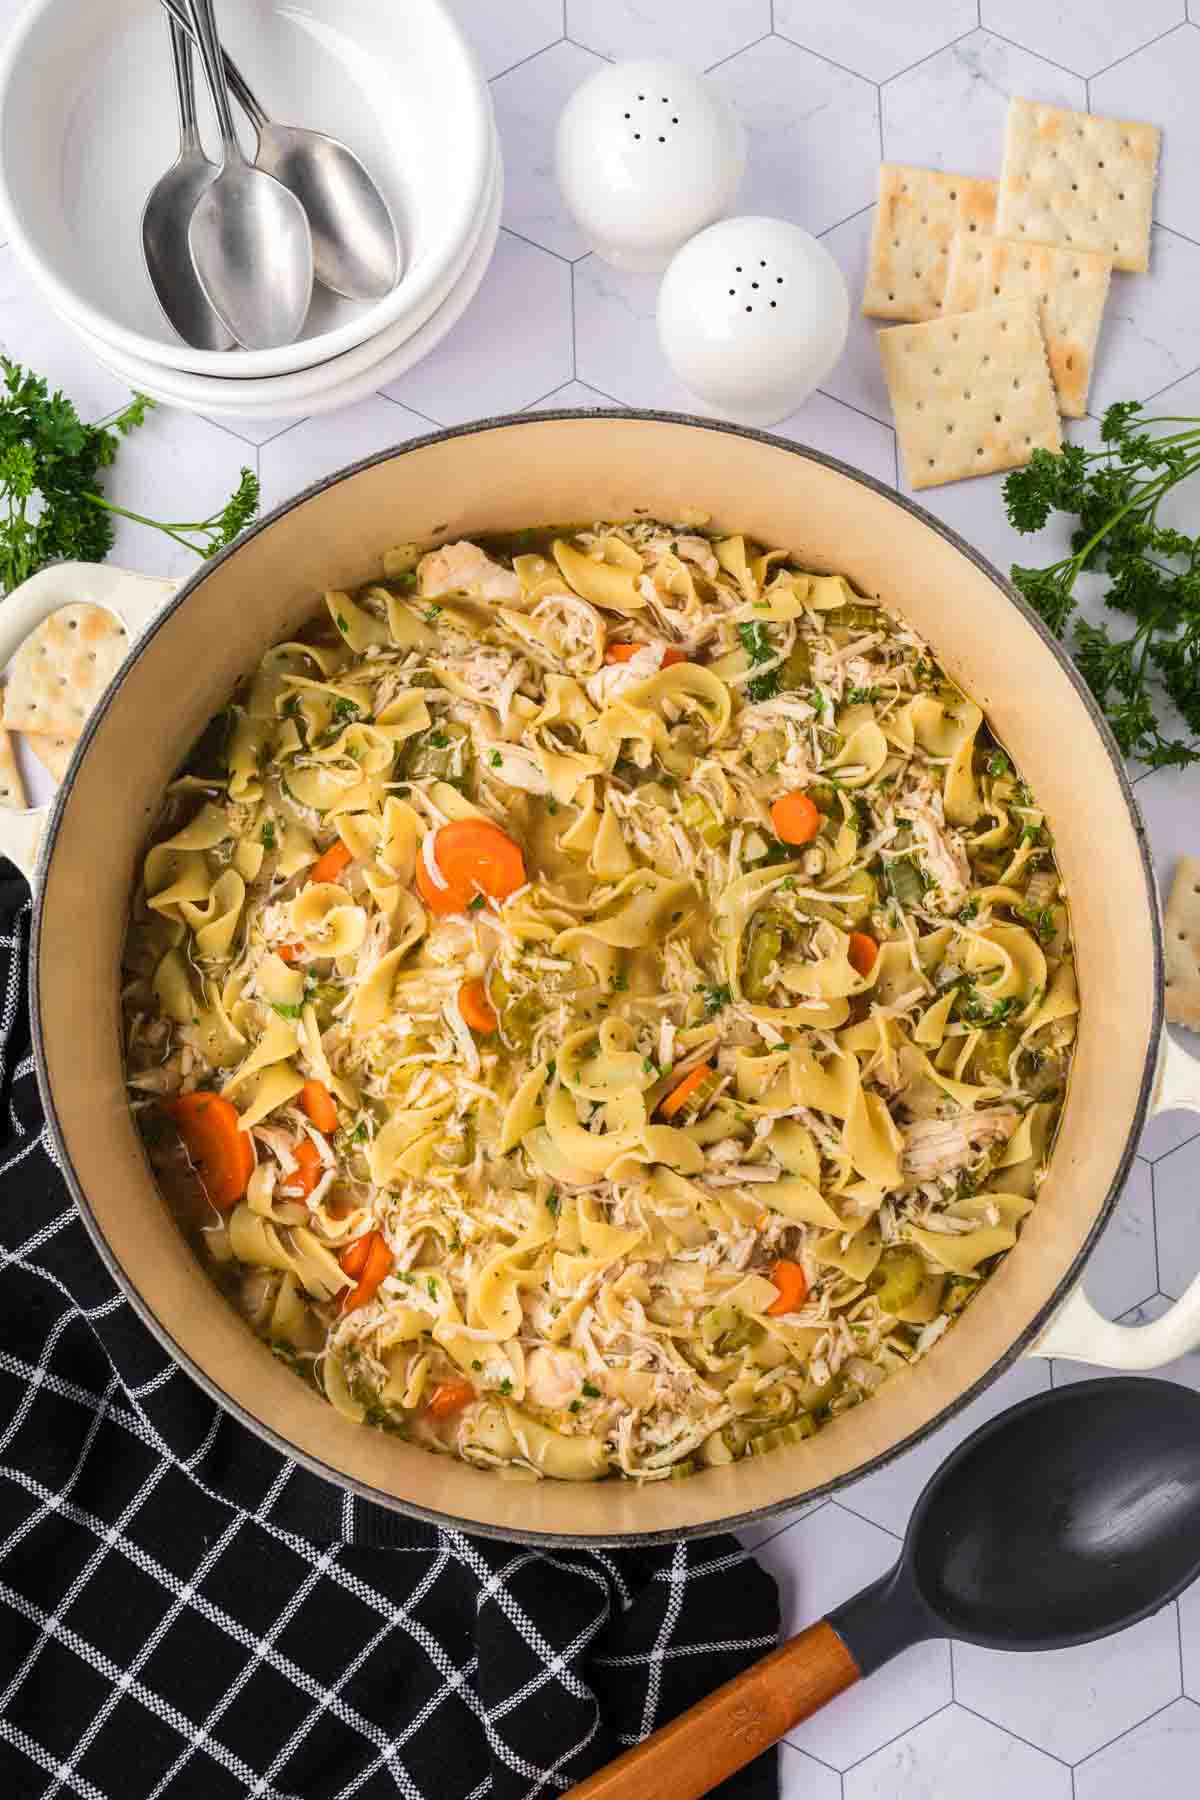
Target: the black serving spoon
pixel 1064 1519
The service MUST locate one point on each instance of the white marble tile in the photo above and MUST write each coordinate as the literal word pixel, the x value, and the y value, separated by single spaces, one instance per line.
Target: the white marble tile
pixel 697 36
pixel 875 38
pixel 1122 1270
pixel 1189 1638
pixel 1167 1131
pixel 31 334
pixel 1177 1212
pixel 956 1756
pixel 752 1536
pixel 1155 1762
pixel 254 431
pixel 512 344
pixel 616 337
pixel 794 106
pixel 317 447
pixel 825 424
pixel 1078 34
pixel 504 35
pixel 1185 1368
pixel 1070 1702
pixel 1148 340
pixel 817 1564
pixel 175 466
pixel 1158 84
pixel 528 101
pixel 888 1496
pixel 858 378
pixel 801 1777
pixel 949 112
pixel 572 393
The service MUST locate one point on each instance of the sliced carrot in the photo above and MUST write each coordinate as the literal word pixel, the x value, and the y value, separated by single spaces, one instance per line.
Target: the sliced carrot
pixel 679 1095
pixel 223 1155
pixel 308 1172
pixel 475 858
pixel 368 1260
pixel 623 653
pixel 862 952
pixel 795 818
pixel 329 866
pixel 474 1006
pixel 792 1283
pixel 318 1103
pixel 289 953
pixel 449 1397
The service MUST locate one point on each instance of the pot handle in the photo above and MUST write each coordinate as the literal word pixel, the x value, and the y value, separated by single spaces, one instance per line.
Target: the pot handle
pixel 1081 1334
pixel 134 599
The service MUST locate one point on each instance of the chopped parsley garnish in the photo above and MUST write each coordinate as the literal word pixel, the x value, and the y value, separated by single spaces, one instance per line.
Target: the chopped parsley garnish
pixel 649 1066
pixel 590 1391
pixel 759 648
pixel 431 614
pixel 553 1203
pixel 285 1011
pixel 268 835
pixel 496 759
pixel 714 999
pixel 477 902
pixel 968 912
pixel 860 696
pixel 574 1406
pixel 477 1365
pixel 998 764
pixel 431 1287
pixel 620 982
pixel 506 1386
pixel 342 623
pixel 359 1134
pixel 438 740
pixel 345 709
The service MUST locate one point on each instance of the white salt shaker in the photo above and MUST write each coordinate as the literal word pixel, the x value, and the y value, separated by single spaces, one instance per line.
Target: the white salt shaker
pixel 646 156
pixel 752 316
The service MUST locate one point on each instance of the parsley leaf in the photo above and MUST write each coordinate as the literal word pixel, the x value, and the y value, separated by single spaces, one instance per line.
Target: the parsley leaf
pixel 1153 572
pixel 714 999
pixel 756 642
pixel 590 1390
pixel 268 835
pixel 52 503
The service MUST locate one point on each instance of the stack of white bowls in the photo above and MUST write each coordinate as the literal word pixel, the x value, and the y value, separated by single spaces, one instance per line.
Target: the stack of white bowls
pixel 88 125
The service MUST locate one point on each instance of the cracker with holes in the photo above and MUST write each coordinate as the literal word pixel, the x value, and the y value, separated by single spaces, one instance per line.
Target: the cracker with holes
pixel 1181 949
pixel 970 394
pixel 1069 288
pixel 919 212
pixel 1073 179
pixel 54 753
pixel 12 788
pixel 62 669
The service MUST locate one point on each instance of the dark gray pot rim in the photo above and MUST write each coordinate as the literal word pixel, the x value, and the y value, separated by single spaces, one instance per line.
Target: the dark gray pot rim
pixel 549 1540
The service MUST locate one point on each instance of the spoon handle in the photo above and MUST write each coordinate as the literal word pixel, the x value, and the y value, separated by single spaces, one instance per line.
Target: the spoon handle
pixel 185 87
pixel 733 1725
pixel 239 87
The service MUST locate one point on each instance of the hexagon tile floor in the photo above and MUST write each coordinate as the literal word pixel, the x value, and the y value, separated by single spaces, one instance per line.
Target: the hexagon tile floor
pixel 822 90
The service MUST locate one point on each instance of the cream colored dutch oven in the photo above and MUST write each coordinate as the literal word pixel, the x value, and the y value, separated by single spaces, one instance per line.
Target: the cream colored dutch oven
pixel 192 647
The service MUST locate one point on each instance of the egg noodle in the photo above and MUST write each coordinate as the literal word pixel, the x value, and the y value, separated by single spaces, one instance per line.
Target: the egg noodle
pixel 600 1000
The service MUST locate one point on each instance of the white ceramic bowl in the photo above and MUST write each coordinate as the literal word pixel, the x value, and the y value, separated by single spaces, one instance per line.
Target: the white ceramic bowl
pixel 87 126
pixel 280 394
pixel 332 386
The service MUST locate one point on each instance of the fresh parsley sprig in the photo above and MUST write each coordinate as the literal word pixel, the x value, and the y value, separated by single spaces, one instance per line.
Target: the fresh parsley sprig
pixel 52 504
pixel 1153 570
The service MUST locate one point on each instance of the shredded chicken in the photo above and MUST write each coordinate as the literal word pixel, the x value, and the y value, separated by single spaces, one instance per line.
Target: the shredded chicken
pixel 936 1146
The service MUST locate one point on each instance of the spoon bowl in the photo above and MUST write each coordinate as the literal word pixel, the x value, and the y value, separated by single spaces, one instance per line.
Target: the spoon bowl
pixel 249 239
pixel 1070 1517
pixel 167 214
pixel 1064 1519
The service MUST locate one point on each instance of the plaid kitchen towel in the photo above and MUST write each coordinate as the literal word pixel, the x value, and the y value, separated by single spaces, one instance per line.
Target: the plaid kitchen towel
pixel 185 1613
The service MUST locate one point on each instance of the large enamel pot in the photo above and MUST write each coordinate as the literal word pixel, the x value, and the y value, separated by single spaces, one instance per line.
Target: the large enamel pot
pixel 197 643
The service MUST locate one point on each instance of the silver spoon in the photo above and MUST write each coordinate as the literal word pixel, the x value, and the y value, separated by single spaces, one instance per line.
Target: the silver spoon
pixel 356 249
pixel 249 238
pixel 167 213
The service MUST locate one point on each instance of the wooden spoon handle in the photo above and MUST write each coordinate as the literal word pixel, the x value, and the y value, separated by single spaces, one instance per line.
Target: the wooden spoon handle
pixel 730 1727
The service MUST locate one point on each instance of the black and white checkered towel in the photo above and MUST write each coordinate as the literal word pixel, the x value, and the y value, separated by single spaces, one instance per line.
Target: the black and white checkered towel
pixel 184 1613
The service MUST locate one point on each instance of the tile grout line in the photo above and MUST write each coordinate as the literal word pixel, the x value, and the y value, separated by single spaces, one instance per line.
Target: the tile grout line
pixel 740 51
pixel 523 61
pixel 820 56
pixel 1109 1742
pixel 1029 1744
pixel 850 407
pixel 1040 55
pixel 894 1739
pixel 940 51
pixel 1169 32
pixel 534 245
pixel 574 345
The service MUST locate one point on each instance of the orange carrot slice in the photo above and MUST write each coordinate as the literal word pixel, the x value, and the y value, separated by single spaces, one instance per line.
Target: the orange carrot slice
pixel 475 1008
pixel 289 953
pixel 862 952
pixel 223 1155
pixel 623 653
pixel 449 1397
pixel 795 818
pixel 679 1095
pixel 308 1171
pixel 792 1283
pixel 475 858
pixel 329 866
pixel 318 1103
pixel 368 1260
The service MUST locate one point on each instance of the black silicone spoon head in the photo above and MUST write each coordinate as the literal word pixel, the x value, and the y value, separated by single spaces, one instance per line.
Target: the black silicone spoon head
pixel 1066 1518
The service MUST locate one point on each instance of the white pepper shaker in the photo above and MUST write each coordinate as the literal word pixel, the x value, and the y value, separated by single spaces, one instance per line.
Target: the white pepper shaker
pixel 752 316
pixel 646 155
